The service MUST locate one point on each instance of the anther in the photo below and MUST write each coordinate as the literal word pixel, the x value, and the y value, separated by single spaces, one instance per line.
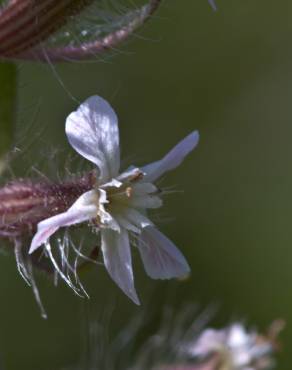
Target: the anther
pixel 129 192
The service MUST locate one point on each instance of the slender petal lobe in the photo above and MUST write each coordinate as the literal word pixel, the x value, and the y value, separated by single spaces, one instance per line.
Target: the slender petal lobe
pixel 93 132
pixel 161 258
pixel 172 159
pixel 136 218
pixel 213 5
pixel 132 173
pixel 118 260
pixel 82 210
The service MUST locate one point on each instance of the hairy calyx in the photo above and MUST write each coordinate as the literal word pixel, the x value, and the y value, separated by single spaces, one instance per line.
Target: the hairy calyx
pixel 24 203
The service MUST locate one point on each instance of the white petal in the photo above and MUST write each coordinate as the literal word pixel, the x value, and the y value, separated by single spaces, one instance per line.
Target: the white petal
pixel 106 218
pixel 144 195
pixel 142 188
pixel 137 218
pixel 161 258
pixel 118 261
pixel 213 5
pixel 123 222
pixel 82 210
pixel 112 184
pixel 93 132
pixel 131 174
pixel 238 336
pixel 172 159
pixel 87 201
pixel 131 219
pixel 209 341
pixel 145 201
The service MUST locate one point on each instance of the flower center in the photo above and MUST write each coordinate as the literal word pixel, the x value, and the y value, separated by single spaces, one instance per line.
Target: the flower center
pixel 121 195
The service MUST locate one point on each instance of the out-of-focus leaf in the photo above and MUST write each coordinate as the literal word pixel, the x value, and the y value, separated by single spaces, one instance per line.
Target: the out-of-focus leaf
pixel 7 101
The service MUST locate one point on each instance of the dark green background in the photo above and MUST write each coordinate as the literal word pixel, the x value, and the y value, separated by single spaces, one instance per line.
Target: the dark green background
pixel 227 74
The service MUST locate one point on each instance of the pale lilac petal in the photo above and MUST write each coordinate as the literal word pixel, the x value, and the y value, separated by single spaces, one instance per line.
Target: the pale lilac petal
pixel 82 210
pixel 137 218
pixel 131 174
pixel 118 260
pixel 237 336
pixel 114 183
pixel 172 159
pixel 144 195
pixel 213 4
pixel 132 220
pixel 143 188
pixel 123 222
pixel 93 132
pixel 209 341
pixel 106 218
pixel 161 258
pixel 145 201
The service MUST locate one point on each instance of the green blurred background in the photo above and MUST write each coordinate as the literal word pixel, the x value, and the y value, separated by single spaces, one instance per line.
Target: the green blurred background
pixel 227 74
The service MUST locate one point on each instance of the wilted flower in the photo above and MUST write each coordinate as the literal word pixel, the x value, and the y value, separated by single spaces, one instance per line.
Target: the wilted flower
pixel 117 205
pixel 235 347
pixel 178 341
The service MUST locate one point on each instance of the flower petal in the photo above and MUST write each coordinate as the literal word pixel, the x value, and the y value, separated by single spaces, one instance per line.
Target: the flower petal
pixel 172 159
pixel 118 260
pixel 114 183
pixel 93 132
pixel 82 210
pixel 131 174
pixel 106 218
pixel 237 337
pixel 123 222
pixel 208 342
pixel 145 201
pixel 213 4
pixel 132 220
pixel 161 258
pixel 143 188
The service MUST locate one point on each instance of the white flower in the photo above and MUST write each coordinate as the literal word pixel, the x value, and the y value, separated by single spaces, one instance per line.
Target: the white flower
pixel 118 203
pixel 237 348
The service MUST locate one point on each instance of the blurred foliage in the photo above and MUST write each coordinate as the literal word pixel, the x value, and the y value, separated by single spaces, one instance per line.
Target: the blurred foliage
pixel 7 108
